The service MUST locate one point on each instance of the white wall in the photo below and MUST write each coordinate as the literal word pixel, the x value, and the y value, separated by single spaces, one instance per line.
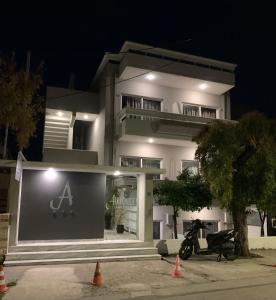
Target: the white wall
pixel 97 132
pixel 172 97
pixel 171 156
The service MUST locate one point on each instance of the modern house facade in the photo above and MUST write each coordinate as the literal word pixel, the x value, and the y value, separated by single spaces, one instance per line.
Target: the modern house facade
pixel 143 109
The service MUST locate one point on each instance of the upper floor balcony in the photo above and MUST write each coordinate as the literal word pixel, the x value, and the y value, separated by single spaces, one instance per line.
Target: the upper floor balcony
pixel 142 125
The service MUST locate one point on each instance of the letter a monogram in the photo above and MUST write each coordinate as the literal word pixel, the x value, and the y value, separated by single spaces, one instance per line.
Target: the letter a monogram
pixel 65 195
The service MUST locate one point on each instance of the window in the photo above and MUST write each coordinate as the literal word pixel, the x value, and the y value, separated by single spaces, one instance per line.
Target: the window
pixel 151 163
pixel 191 165
pixel 211 227
pixel 199 111
pixel 191 110
pixel 131 162
pixel 132 102
pixel 141 103
pixel 208 112
pixel 140 162
pixel 151 104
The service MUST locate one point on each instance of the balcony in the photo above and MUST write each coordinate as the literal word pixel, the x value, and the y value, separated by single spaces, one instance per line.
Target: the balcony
pixel 134 123
pixel 70 156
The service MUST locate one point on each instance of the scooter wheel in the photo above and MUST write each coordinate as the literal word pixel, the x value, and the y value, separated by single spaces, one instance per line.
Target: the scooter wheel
pixel 185 252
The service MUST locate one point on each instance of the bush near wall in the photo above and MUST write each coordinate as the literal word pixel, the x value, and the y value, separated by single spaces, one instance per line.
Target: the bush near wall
pixel 4 231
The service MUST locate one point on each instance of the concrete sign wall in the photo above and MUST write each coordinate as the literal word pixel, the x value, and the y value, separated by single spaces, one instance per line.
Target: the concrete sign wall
pixel 60 205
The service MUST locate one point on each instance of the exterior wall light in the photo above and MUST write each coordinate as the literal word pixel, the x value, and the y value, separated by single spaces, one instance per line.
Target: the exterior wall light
pixel 117 173
pixel 85 117
pixel 51 174
pixel 150 76
pixel 151 140
pixel 203 86
pixel 60 113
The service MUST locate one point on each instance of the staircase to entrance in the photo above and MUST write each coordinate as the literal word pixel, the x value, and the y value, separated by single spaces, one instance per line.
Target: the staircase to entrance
pixel 83 252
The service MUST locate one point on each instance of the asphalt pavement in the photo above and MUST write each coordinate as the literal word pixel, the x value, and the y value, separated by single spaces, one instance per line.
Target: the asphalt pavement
pixel 203 278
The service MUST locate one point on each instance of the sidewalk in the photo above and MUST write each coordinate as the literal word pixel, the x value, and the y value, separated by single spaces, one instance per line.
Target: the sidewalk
pixel 126 280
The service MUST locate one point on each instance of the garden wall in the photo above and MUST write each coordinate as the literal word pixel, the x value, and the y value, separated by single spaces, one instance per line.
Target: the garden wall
pixel 166 247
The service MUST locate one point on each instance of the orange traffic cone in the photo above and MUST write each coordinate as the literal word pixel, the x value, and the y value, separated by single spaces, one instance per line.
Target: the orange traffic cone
pixel 3 287
pixel 98 279
pixel 177 272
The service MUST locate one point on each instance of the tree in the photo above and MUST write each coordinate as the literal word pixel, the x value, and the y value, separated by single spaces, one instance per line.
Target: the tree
pixel 18 104
pixel 189 193
pixel 238 161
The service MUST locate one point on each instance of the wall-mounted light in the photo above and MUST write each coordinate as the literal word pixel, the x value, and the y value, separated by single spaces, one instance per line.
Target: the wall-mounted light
pixel 51 174
pixel 60 113
pixel 203 86
pixel 117 173
pixel 150 76
pixel 85 117
pixel 151 140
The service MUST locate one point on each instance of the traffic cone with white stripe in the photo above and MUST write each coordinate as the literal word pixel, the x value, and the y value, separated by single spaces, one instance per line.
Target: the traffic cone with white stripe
pixel 177 272
pixel 3 287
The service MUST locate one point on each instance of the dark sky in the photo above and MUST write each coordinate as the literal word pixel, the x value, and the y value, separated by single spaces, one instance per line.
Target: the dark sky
pixel 73 38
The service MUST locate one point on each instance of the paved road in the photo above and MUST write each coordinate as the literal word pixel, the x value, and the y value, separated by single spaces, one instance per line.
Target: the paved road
pixel 260 292
pixel 204 278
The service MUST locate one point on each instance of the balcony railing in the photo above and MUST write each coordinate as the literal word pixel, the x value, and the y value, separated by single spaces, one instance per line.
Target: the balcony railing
pixel 163 125
pixel 141 114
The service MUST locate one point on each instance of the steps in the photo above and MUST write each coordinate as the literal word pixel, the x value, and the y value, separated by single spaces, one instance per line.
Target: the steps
pixel 56 131
pixel 79 253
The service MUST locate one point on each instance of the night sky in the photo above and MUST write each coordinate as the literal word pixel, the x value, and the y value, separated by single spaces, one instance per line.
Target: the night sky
pixel 74 38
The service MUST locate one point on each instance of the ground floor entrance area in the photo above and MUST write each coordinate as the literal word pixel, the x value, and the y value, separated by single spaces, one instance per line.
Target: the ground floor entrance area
pixel 62 205
pixel 62 213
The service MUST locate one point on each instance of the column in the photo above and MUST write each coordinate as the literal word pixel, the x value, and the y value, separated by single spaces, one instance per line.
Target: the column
pixel 145 196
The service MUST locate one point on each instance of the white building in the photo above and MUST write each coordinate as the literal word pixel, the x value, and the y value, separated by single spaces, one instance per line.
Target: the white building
pixel 145 106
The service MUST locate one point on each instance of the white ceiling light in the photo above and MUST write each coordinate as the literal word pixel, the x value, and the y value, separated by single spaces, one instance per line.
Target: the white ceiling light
pixel 116 173
pixel 151 140
pixel 150 76
pixel 203 86
pixel 85 117
pixel 60 113
pixel 50 174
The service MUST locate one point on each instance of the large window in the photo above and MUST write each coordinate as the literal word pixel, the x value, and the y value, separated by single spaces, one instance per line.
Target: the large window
pixel 211 227
pixel 199 111
pixel 141 103
pixel 191 165
pixel 141 162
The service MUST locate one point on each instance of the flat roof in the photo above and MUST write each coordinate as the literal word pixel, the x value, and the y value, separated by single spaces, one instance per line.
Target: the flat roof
pixel 129 46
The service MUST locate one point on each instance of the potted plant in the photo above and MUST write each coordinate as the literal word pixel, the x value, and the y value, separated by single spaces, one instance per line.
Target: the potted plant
pixel 119 218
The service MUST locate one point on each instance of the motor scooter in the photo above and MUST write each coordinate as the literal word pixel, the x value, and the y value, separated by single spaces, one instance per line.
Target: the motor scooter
pixel 224 243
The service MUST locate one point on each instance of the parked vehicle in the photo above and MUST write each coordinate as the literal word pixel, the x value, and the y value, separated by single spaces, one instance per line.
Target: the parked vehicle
pixel 224 243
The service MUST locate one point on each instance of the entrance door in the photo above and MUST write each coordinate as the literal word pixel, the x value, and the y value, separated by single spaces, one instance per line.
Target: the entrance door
pixel 156 230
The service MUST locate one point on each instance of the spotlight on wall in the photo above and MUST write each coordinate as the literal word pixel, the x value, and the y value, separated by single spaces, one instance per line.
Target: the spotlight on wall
pixel 60 113
pixel 203 86
pixel 117 173
pixel 150 76
pixel 51 174
pixel 151 140
pixel 85 117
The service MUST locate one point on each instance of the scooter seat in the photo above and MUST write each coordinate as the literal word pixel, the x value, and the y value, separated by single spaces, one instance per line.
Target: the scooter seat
pixel 217 234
